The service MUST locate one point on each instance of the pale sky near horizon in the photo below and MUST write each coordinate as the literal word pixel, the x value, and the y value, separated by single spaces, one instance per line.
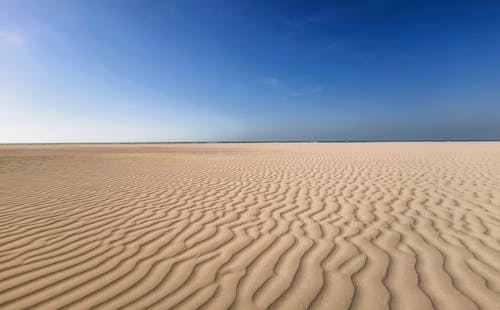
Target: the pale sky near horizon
pixel 124 71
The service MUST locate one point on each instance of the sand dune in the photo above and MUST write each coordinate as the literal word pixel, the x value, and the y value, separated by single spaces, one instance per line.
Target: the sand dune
pixel 250 226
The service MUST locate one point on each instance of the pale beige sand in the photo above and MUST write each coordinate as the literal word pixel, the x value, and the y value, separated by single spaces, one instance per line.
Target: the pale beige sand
pixel 250 226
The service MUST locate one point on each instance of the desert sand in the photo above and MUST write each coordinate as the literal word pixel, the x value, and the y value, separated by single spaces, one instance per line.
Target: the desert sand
pixel 250 226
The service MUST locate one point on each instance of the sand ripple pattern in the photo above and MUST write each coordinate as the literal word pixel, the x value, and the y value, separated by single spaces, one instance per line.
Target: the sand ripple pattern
pixel 250 226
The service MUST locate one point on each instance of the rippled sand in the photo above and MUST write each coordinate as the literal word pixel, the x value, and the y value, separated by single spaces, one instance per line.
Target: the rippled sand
pixel 251 226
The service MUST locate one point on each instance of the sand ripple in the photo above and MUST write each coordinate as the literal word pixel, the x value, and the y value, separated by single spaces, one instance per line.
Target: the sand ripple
pixel 250 226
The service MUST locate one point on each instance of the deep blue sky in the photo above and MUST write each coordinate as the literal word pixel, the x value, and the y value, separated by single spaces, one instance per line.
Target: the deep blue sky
pixel 75 71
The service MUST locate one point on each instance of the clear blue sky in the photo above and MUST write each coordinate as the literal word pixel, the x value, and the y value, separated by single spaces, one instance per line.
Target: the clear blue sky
pixel 82 71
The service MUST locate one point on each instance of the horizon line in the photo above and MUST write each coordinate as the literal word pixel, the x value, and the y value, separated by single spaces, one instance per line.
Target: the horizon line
pixel 255 141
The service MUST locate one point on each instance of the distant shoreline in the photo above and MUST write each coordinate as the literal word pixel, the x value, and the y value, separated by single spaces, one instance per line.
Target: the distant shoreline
pixel 242 142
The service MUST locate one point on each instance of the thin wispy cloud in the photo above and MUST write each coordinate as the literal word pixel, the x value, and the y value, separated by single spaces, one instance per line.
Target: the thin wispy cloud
pixel 11 39
pixel 309 91
pixel 333 12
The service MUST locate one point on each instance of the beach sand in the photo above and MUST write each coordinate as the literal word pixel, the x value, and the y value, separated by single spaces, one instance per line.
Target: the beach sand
pixel 250 226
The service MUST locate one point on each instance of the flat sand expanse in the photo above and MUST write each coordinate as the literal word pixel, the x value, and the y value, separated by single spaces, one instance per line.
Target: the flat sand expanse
pixel 251 226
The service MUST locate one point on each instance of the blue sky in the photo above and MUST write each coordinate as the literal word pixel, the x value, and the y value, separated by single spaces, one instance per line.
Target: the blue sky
pixel 83 71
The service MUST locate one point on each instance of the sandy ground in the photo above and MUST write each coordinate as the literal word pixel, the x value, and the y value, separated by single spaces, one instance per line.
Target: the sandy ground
pixel 251 226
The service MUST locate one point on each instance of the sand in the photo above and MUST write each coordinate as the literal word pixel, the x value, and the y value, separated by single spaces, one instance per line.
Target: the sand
pixel 250 226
